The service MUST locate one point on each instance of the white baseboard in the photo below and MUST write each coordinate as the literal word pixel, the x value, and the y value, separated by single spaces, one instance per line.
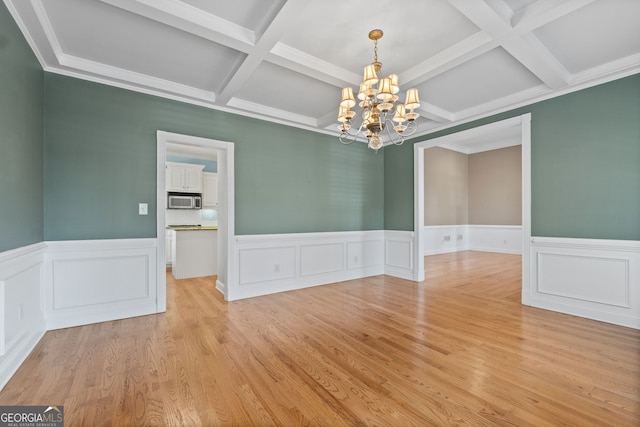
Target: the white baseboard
pixel 221 287
pixel 596 279
pixel 92 281
pixel 22 322
pixel 441 239
pixel 505 239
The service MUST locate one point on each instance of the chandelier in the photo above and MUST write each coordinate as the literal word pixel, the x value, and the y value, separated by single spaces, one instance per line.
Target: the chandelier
pixel 382 121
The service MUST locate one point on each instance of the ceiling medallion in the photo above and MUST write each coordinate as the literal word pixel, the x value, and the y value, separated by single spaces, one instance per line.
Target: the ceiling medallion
pixel 377 99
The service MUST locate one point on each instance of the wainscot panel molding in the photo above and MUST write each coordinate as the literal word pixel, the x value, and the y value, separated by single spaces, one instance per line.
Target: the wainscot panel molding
pixel 92 281
pixel 399 254
pixel 597 279
pixel 282 262
pixel 439 239
pixel 22 322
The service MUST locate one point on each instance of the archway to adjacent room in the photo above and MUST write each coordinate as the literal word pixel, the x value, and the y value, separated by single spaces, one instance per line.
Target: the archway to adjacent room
pixel 522 126
pixel 226 226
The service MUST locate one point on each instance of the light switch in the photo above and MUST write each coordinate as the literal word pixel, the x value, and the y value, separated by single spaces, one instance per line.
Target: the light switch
pixel 143 209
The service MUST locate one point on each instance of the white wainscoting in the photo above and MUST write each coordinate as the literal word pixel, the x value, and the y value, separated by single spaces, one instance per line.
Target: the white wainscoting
pixel 91 281
pixel 22 322
pixel 505 239
pixel 596 279
pixel 440 239
pixel 399 254
pixel 275 263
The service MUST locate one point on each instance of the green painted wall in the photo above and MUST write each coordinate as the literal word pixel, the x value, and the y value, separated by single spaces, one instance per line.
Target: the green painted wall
pixel 100 162
pixel 398 187
pixel 585 161
pixel 21 130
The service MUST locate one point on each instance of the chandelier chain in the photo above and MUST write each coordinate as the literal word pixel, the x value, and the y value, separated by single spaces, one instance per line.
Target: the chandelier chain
pixel 375 51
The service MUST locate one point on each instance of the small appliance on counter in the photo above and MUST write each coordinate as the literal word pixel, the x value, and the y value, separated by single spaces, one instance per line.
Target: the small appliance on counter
pixel 184 201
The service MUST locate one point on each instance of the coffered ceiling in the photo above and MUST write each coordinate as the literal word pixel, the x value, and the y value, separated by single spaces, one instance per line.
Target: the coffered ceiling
pixel 286 60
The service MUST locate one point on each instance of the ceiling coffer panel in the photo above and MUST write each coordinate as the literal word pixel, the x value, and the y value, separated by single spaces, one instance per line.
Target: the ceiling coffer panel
pixel 495 74
pixel 413 30
pixel 254 15
pixel 289 91
pixel 116 38
pixel 581 42
pixel 287 60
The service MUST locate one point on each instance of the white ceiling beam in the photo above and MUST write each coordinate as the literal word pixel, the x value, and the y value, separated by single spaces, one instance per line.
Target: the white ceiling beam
pixel 504 103
pixel 531 53
pixel 435 113
pixel 303 63
pixel 128 76
pixel 483 16
pixel 265 110
pixel 457 54
pixel 611 70
pixel 544 11
pixel 281 23
pixel 527 50
pixel 190 20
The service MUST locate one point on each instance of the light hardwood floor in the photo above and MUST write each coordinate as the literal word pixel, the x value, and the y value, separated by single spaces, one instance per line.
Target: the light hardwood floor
pixel 457 349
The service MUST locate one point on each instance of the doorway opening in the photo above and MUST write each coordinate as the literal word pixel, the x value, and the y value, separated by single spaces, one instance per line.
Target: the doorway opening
pixel 197 147
pixel 518 127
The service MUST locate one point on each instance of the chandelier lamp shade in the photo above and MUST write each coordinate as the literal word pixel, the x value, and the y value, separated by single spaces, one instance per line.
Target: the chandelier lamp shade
pixel 382 120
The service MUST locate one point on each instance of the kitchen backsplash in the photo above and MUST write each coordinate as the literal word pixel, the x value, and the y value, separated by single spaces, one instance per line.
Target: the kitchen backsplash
pixel 191 217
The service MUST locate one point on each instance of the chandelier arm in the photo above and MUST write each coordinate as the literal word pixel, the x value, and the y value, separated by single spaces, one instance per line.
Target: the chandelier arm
pixel 347 137
pixel 392 139
pixel 412 127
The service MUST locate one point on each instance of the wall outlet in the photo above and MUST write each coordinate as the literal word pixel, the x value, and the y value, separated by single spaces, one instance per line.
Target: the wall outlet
pixel 143 209
pixel 276 268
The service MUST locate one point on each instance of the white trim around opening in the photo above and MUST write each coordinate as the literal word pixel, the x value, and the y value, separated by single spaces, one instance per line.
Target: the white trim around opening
pixel 226 215
pixel 524 122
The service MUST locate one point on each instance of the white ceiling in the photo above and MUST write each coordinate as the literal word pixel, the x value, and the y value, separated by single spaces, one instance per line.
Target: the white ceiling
pixel 286 60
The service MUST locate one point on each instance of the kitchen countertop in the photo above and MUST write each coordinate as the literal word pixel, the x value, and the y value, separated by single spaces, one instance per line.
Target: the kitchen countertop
pixel 191 227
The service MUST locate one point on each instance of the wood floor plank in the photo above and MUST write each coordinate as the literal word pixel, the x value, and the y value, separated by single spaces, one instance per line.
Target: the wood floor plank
pixel 456 349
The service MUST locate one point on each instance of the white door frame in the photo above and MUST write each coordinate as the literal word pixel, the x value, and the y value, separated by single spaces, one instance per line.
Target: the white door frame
pixel 524 121
pixel 226 215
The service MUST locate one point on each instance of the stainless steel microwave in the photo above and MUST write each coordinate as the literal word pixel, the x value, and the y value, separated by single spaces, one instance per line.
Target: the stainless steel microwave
pixel 184 201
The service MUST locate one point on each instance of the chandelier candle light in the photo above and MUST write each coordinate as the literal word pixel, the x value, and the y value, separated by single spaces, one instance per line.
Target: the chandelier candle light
pixel 377 99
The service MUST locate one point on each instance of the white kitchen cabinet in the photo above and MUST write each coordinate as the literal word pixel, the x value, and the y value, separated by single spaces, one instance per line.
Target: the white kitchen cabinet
pixel 184 177
pixel 209 190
